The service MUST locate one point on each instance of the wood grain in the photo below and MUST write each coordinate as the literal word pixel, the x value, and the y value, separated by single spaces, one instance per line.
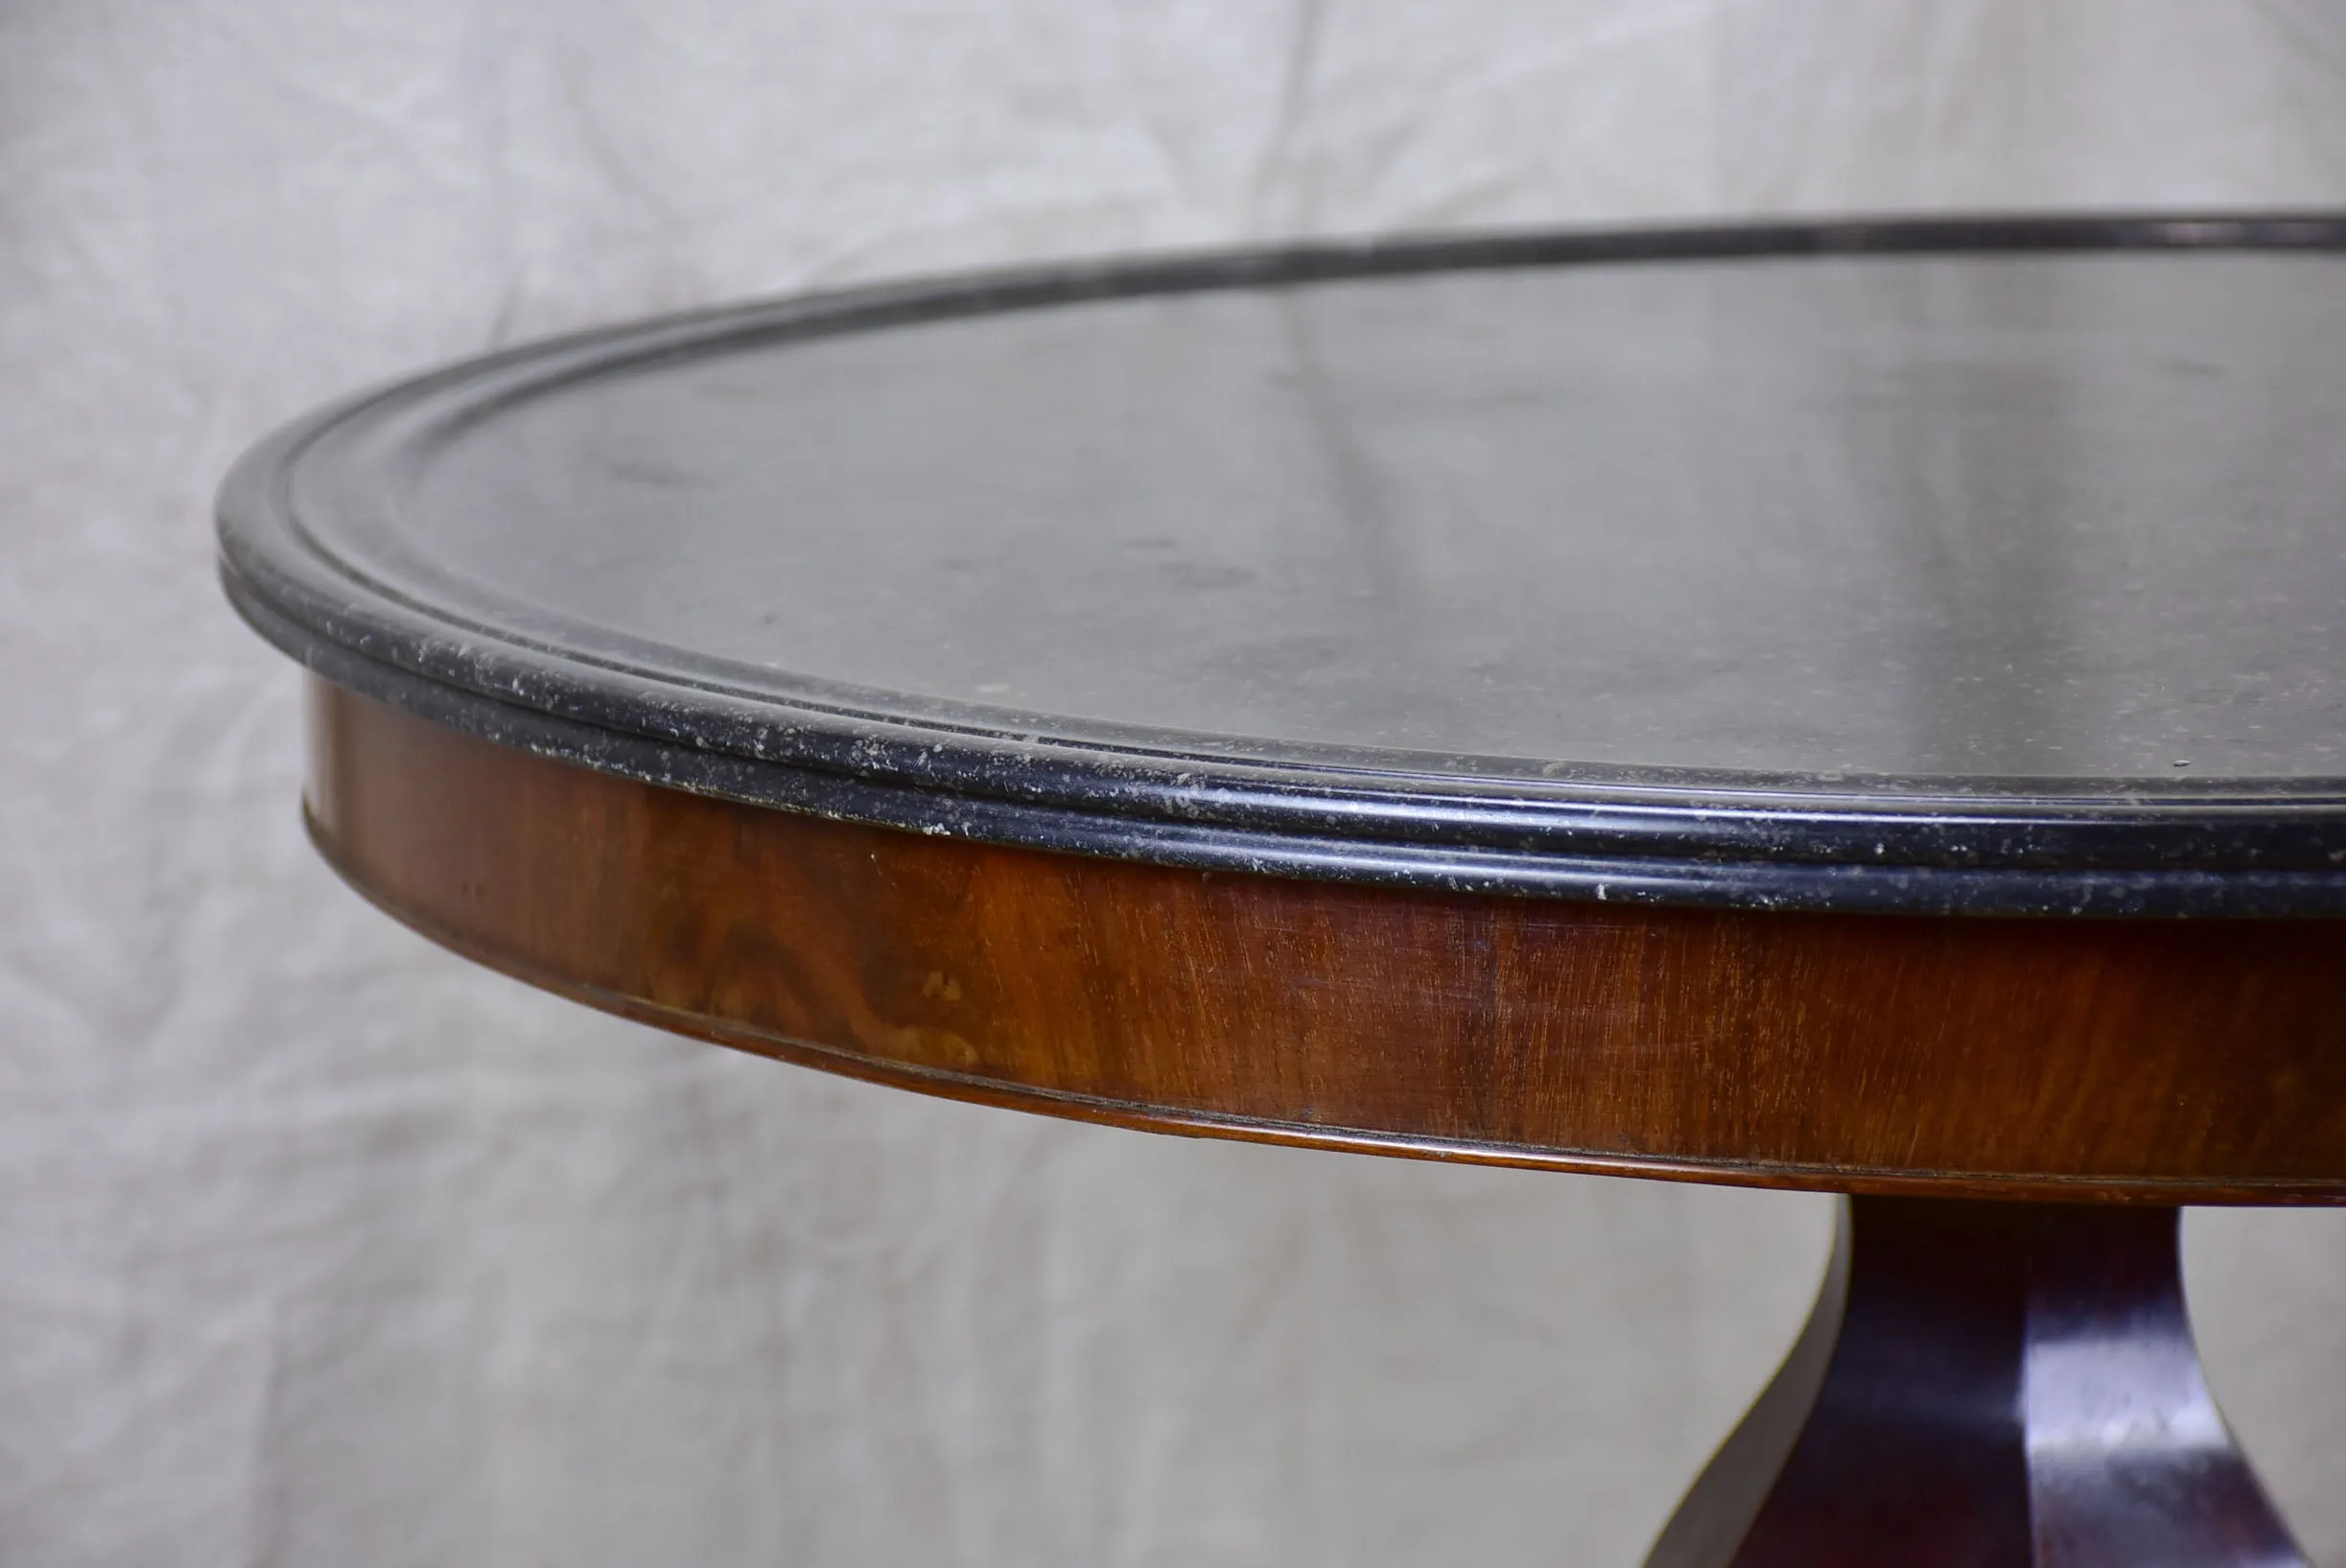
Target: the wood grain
pixel 2138 1059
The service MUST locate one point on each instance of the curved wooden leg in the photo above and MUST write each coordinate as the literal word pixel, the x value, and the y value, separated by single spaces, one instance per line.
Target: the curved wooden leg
pixel 1985 1384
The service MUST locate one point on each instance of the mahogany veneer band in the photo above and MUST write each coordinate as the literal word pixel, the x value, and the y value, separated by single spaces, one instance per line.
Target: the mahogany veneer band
pixel 2168 1061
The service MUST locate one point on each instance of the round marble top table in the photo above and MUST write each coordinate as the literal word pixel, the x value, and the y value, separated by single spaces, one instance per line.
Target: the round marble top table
pixel 1854 706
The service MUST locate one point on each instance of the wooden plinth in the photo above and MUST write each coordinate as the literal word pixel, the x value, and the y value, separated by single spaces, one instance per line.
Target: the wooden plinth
pixel 1984 1385
pixel 2153 1061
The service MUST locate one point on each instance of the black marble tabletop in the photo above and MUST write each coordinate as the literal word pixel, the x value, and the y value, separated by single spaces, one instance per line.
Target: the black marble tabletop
pixel 1956 566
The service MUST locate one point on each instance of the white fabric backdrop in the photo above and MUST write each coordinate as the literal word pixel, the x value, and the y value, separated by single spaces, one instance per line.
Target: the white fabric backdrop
pixel 318 1246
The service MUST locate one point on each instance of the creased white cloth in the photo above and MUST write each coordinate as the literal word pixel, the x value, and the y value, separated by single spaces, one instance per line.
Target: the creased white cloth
pixel 318 1246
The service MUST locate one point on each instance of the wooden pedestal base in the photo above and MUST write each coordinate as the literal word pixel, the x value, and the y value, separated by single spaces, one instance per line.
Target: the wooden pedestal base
pixel 1985 1384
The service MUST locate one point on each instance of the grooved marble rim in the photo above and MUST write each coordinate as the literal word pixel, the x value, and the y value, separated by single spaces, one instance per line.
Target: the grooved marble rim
pixel 1497 825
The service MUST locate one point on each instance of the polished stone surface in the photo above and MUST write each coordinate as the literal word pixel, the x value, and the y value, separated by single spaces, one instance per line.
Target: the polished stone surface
pixel 2004 516
pixel 1975 557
